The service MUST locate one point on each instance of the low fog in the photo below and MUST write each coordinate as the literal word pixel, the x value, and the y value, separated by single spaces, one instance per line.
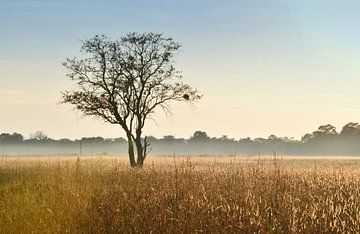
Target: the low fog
pixel 326 140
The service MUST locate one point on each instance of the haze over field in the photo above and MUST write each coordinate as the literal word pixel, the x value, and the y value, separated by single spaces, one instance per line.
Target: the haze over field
pixel 188 116
pixel 264 67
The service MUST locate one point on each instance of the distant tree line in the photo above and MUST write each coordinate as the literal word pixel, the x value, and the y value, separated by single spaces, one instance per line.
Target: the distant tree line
pixel 326 140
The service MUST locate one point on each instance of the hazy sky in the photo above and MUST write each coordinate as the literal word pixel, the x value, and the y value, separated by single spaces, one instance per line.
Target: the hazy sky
pixel 264 66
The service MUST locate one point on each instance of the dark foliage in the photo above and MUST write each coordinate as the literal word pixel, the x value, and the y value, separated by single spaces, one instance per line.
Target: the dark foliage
pixel 324 141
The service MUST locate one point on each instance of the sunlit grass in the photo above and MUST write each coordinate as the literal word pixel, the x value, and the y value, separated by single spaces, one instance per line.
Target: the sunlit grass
pixel 202 194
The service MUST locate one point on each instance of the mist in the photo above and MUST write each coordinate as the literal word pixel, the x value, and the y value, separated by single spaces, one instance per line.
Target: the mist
pixel 323 141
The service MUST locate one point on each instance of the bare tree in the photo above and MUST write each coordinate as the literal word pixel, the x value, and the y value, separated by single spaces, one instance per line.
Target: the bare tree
pixel 124 81
pixel 39 136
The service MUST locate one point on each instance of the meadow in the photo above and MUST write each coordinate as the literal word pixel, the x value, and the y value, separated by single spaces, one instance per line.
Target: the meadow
pixel 180 195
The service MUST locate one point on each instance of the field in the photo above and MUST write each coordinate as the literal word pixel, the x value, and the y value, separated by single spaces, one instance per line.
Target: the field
pixel 179 195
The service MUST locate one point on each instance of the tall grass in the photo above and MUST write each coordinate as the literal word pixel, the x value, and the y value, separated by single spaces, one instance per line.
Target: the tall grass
pixel 103 195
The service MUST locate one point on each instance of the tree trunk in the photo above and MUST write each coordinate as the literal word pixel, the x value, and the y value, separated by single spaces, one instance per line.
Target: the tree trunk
pixel 131 151
pixel 140 152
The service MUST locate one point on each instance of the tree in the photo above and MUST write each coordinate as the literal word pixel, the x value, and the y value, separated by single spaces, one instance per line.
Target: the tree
pixel 169 138
pixel 351 129
pixel 39 136
pixel 14 138
pixel 199 136
pixel 307 137
pixel 326 130
pixel 124 81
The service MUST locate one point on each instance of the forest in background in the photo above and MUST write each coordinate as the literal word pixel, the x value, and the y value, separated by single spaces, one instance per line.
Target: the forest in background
pixel 326 140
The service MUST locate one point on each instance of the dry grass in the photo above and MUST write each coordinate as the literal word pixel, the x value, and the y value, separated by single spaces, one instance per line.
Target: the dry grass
pixel 203 194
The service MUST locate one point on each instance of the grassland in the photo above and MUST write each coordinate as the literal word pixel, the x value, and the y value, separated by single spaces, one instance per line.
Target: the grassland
pixel 179 195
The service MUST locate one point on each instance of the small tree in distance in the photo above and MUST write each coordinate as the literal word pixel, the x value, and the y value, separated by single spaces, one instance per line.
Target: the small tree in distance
pixel 39 136
pixel 124 81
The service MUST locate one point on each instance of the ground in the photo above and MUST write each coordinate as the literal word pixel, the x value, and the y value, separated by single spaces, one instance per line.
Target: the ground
pixel 179 194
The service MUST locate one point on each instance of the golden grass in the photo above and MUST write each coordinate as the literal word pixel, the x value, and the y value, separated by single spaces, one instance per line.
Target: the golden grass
pixel 202 194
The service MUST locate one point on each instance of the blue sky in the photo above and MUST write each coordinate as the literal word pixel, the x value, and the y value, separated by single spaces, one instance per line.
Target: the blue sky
pixel 264 66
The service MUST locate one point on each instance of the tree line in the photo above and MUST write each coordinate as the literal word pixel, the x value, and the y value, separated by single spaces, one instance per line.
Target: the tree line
pixel 326 140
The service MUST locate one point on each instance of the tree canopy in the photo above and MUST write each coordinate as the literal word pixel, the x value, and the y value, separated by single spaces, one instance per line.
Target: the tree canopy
pixel 124 81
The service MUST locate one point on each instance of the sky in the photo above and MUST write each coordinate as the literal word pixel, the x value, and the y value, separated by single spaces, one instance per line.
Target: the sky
pixel 263 66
